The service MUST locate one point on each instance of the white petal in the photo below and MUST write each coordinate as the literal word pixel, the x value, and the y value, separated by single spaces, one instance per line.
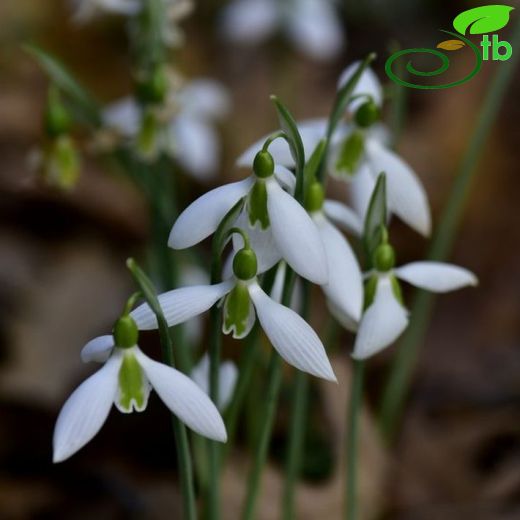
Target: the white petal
pixel 86 410
pixel 291 335
pixel 202 217
pixel 124 116
pixel 285 177
pixel 181 304
pixel 196 146
pixel 361 187
pixel 345 286
pixel 249 21
pixel 342 318
pixel 204 98
pixel 228 375
pixel 343 216
pixel 311 132
pixel 436 276
pixel 382 323
pixel 315 29
pixel 98 349
pixel 279 282
pixel 406 195
pixel 295 234
pixel 194 275
pixel 368 84
pixel 184 398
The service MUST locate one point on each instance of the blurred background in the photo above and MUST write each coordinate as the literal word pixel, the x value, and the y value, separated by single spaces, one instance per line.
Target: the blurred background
pixel 63 281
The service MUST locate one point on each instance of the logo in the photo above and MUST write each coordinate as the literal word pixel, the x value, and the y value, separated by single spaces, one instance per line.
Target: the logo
pixel 480 20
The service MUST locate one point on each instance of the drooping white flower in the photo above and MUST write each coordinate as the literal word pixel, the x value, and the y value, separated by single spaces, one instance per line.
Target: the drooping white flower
pixel 386 318
pixel 407 198
pixel 312 26
pixel 126 379
pixel 228 375
pixel 184 128
pixel 245 300
pixel 268 207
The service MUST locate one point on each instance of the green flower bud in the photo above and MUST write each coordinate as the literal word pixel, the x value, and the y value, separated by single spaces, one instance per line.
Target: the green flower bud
pixel 257 205
pixel 56 119
pixel 367 114
pixel 315 197
pixel 125 332
pixel 155 88
pixel 384 258
pixel 245 264
pixel 263 165
pixel 351 153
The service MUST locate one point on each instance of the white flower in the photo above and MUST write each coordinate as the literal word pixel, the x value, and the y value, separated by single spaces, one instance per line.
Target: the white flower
pixel 293 232
pixel 84 10
pixel 289 334
pixel 125 380
pixel 311 25
pixel 186 128
pixel 385 318
pixel 228 375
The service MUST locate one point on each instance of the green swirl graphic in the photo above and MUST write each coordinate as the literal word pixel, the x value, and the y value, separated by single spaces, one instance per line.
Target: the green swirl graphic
pixel 445 63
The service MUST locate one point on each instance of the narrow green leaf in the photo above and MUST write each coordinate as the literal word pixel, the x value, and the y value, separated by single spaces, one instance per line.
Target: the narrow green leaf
pixel 312 167
pixel 289 126
pixel 220 236
pixel 82 105
pixel 375 220
pixel 482 20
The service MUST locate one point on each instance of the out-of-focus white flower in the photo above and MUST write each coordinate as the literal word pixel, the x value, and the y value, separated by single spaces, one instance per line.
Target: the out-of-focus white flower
pixel 228 374
pixel 268 207
pixel 407 198
pixel 313 26
pixel 184 128
pixel 386 318
pixel 289 333
pixel 84 10
pixel 126 379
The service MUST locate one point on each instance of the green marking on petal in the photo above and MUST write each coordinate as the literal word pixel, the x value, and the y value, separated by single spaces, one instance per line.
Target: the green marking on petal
pixel 396 289
pixel 257 205
pixel 133 385
pixel 237 312
pixel 370 291
pixel 351 153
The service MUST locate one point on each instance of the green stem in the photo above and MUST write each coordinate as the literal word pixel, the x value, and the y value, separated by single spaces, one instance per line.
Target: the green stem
pixel 274 378
pixel 296 443
pixel 297 428
pixel 398 384
pixel 352 435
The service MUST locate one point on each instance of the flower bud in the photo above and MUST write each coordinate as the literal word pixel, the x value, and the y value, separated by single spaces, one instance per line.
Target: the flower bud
pixel 125 332
pixel 155 88
pixel 384 258
pixel 245 264
pixel 367 114
pixel 263 165
pixel 314 198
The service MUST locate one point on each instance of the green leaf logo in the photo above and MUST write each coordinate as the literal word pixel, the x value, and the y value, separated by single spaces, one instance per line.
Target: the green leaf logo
pixel 481 20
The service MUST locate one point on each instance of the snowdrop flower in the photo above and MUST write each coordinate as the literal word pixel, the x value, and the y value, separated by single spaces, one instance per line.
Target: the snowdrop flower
pixel 183 128
pixel 244 300
pixel 359 153
pixel 84 10
pixel 126 379
pixel 385 317
pixel 312 26
pixel 228 374
pixel 268 206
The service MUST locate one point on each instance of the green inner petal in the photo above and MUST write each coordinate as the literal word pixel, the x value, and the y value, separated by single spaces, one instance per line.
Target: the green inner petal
pixel 396 289
pixel 257 205
pixel 351 153
pixel 132 385
pixel 237 310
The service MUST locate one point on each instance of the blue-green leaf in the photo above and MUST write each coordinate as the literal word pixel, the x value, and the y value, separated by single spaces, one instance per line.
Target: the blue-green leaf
pixel 482 20
pixel 375 220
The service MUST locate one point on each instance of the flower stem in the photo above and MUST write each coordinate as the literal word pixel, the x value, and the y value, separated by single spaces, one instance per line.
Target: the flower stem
pixel 296 443
pixel 352 435
pixel 274 378
pixel 297 428
pixel 399 381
